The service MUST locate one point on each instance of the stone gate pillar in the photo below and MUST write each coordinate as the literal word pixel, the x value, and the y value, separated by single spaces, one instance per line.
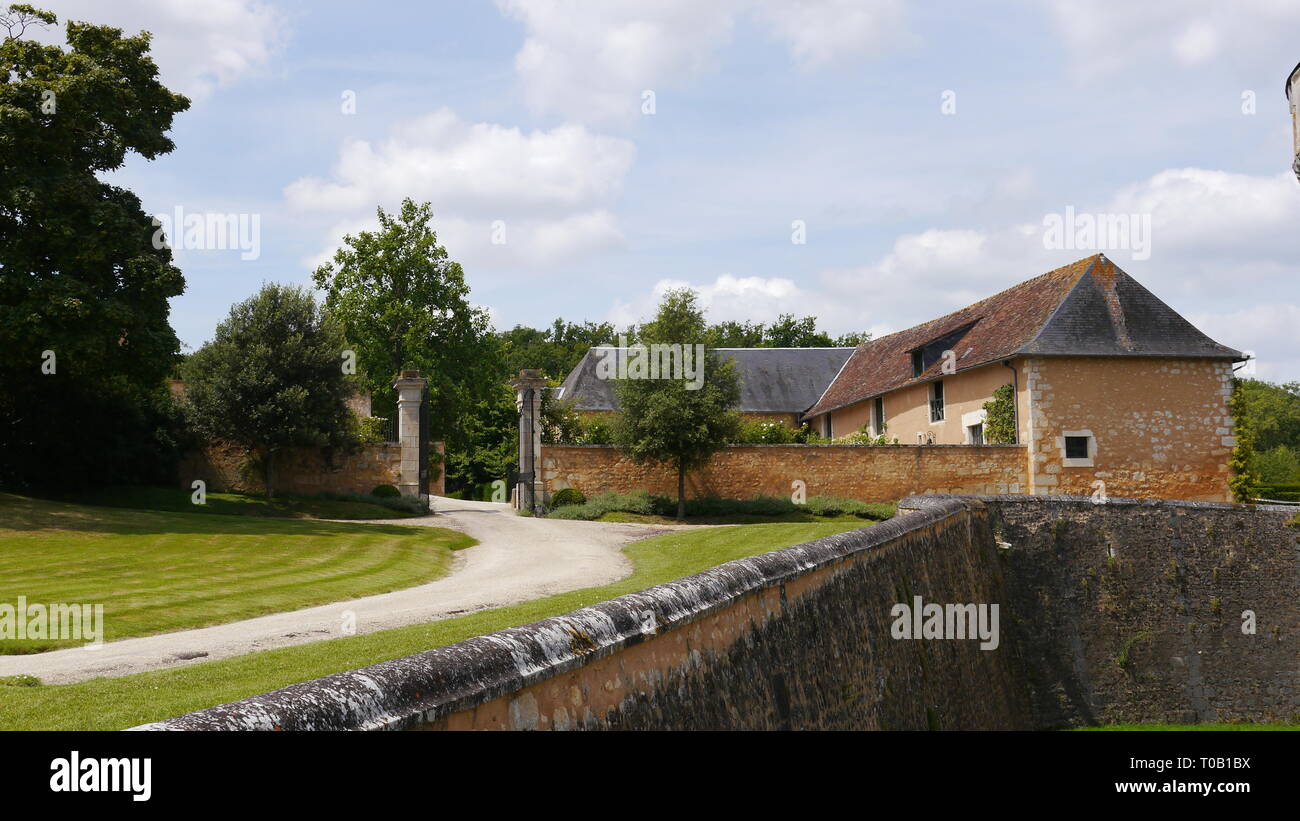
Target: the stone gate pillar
pixel 528 399
pixel 410 393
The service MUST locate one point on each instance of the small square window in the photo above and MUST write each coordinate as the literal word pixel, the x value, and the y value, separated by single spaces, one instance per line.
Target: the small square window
pixel 1076 447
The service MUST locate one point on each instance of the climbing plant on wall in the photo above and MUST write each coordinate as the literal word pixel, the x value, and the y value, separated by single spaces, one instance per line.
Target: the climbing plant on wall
pixel 1000 418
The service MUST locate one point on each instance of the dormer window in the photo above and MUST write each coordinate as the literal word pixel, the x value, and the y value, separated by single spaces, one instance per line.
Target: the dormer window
pixel 918 363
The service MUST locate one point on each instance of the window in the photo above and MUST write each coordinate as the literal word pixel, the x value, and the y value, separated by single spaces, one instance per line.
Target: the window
pixel 975 434
pixel 826 426
pixel 936 401
pixel 1076 447
pixel 918 363
pixel 878 410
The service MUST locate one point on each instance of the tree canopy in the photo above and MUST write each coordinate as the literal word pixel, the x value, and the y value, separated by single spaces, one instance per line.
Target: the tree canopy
pixel 665 420
pixel 83 289
pixel 272 378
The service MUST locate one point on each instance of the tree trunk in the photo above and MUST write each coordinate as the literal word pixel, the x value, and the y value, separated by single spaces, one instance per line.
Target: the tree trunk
pixel 268 465
pixel 681 492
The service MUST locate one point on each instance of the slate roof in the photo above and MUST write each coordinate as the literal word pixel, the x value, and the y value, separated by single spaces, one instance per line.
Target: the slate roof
pixel 1087 308
pixel 772 380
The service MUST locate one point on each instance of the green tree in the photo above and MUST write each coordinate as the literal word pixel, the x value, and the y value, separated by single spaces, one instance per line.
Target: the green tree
pixel 272 378
pixel 663 420
pixel 1244 479
pixel 1273 412
pixel 404 304
pixel 788 332
pixel 80 276
pixel 1000 417
pixel 556 350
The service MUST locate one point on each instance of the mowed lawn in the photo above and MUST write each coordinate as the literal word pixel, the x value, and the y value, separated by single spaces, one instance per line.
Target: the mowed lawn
pixel 156 571
pixel 118 703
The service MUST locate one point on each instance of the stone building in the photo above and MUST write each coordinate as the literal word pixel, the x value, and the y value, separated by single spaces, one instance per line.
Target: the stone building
pixel 1109 384
pixel 776 384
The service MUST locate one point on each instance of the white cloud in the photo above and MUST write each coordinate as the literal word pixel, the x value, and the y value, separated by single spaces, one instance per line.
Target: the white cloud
pixel 198 46
pixel 1223 254
pixel 591 61
pixel 500 196
pixel 819 32
pixel 1111 35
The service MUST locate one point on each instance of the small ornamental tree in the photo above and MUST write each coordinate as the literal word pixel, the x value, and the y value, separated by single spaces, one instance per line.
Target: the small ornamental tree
pixel 1000 417
pixel 1244 480
pixel 664 420
pixel 272 378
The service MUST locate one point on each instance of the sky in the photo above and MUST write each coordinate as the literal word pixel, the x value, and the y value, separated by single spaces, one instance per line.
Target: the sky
pixel 873 163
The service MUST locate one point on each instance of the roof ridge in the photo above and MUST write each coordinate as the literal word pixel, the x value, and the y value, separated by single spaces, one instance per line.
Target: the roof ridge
pixel 1022 284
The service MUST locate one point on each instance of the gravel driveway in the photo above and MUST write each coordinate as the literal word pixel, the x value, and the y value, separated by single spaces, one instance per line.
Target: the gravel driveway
pixel 517 559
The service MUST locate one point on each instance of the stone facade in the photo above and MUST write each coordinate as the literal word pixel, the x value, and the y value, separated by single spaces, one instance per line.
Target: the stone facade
pixel 302 471
pixel 869 473
pixel 1123 612
pixel 1159 428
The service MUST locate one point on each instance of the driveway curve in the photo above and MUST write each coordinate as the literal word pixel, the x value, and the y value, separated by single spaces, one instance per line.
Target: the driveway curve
pixel 517 559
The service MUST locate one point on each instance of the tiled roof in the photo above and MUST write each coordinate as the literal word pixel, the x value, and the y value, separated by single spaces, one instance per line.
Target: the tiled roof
pixel 772 380
pixel 1087 308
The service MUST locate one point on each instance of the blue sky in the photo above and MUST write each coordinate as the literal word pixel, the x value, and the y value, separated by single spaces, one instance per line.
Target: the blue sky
pixel 826 112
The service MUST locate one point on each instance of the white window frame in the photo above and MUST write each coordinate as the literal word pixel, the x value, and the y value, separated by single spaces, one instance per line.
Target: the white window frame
pixel 1078 463
pixel 928 413
pixel 969 420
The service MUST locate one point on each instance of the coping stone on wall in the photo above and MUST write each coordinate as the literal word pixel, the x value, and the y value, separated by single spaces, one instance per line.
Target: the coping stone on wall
pixel 422 688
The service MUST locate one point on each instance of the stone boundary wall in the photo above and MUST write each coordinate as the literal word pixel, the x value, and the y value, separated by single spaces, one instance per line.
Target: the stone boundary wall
pixel 1121 612
pixel 796 638
pixel 878 473
pixel 1132 611
pixel 302 471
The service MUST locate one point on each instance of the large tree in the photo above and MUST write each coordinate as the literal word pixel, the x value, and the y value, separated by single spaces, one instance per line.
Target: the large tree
pixel 665 420
pixel 404 304
pixel 272 378
pixel 83 290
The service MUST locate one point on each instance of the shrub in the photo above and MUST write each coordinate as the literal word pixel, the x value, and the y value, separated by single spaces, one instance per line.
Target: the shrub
pixel 1000 417
pixel 766 433
pixel 386 492
pixel 838 506
pixel 568 496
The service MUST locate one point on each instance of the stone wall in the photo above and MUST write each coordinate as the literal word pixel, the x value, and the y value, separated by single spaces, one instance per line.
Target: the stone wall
pixel 801 638
pixel 302 471
pixel 870 473
pixel 1160 427
pixel 1131 612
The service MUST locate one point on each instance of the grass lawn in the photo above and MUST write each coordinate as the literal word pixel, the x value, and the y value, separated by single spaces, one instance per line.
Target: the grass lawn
pixel 116 703
pixel 178 500
pixel 734 519
pixel 156 571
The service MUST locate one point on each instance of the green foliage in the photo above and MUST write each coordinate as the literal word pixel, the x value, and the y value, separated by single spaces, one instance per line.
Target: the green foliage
pixel 1245 415
pixel 862 436
pixel 1272 411
pixel 272 378
pixel 80 274
pixel 664 421
pixel 785 332
pixel 837 506
pixel 404 304
pixel 386 492
pixel 769 433
pixel 1000 417
pixel 556 350
pixel 646 504
pixel 568 496
pixel 372 430
pixel 1277 466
